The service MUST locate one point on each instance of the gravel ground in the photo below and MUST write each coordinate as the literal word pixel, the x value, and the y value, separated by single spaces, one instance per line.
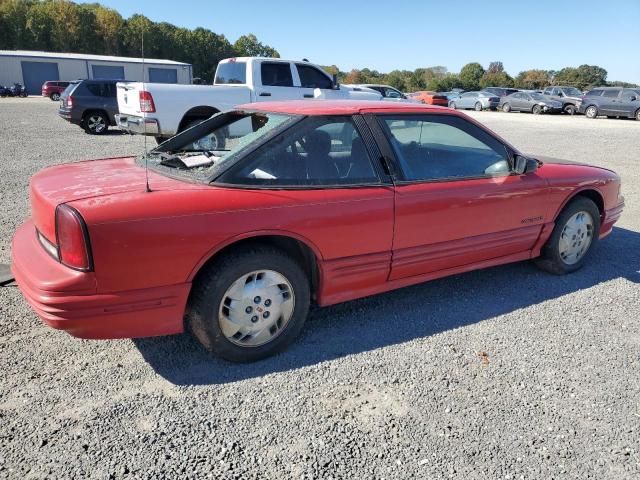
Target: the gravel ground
pixel 501 373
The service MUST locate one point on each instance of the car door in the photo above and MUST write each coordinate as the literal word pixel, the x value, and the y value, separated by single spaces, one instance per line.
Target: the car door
pixel 457 202
pixel 275 82
pixel 328 172
pixel 516 102
pixel 630 102
pixel 311 78
pixel 610 103
pixel 464 101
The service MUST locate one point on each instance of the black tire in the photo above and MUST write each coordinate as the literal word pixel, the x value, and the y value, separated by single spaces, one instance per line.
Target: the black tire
pixel 453 105
pixel 95 123
pixel 550 259
pixel 55 96
pixel 569 109
pixel 506 108
pixel 591 112
pixel 477 107
pixel 211 285
pixel 536 110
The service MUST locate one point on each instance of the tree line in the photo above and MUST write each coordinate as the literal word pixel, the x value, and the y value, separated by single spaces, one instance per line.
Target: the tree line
pixel 473 76
pixel 64 26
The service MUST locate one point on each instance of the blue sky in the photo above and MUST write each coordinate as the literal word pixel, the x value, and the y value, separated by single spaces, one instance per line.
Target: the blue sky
pixel 388 35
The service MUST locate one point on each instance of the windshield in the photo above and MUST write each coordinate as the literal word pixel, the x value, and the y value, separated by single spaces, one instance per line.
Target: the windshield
pixel 572 92
pixel 537 96
pixel 210 146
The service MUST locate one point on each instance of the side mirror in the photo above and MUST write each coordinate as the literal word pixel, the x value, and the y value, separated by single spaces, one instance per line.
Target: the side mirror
pixel 532 165
pixel 520 164
pixel 633 98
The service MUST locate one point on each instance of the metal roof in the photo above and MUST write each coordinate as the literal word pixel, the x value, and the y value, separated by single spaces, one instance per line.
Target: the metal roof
pixel 86 56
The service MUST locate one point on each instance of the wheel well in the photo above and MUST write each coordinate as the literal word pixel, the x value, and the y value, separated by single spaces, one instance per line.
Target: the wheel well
pixel 291 246
pixel 594 196
pixel 95 110
pixel 196 113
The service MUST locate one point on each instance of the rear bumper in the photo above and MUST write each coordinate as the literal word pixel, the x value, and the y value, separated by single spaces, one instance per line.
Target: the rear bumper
pixel 138 125
pixel 67 115
pixel 67 300
pixel 611 216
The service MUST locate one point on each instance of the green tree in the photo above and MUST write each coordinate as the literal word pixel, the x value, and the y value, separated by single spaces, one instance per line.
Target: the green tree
pixel 533 79
pixel 496 79
pixel 470 76
pixel 249 46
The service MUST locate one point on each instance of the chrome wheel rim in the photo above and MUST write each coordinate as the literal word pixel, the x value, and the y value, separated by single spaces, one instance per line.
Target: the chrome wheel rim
pixel 256 308
pixel 506 107
pixel 56 97
pixel 478 106
pixel 591 112
pixel 96 123
pixel 576 237
pixel 453 105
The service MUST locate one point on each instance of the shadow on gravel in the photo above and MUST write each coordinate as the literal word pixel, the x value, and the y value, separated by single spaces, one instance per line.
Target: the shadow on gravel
pixel 402 315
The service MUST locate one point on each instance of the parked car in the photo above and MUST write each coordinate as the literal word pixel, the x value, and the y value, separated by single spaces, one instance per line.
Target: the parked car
pixel 53 89
pixel 388 92
pixel 612 102
pixel 4 91
pixel 500 91
pixel 455 93
pixel 570 97
pixel 91 104
pixel 430 98
pixel 15 90
pixel 529 102
pixel 162 110
pixel 319 202
pixel 477 100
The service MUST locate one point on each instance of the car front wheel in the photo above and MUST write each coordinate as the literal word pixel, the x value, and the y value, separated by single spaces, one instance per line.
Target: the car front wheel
pixel 506 108
pixel 536 110
pixel 478 107
pixel 638 115
pixel 249 304
pixel 576 232
pixel 453 105
pixel 591 112
pixel 570 109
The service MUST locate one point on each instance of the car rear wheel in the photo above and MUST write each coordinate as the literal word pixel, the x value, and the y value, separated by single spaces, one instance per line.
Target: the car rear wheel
pixel 55 96
pixel 96 123
pixel 249 304
pixel 591 111
pixel 570 109
pixel 506 108
pixel 453 105
pixel 477 107
pixel 536 110
pixel 576 232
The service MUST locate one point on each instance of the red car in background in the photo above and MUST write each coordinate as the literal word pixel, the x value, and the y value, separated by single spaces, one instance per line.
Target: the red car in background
pixel 53 90
pixel 430 98
pixel 247 218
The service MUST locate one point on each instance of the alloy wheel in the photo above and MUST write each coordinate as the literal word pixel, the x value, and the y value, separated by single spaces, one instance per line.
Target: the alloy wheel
pixel 592 112
pixel 96 123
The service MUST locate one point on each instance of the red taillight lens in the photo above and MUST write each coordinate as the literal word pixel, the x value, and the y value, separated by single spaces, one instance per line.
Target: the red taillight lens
pixel 146 102
pixel 73 239
pixel 69 101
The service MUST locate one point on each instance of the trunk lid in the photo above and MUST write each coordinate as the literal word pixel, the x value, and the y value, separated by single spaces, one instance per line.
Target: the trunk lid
pixel 94 178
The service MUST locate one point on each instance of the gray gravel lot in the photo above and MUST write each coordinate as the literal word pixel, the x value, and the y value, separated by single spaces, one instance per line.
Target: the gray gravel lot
pixel 501 373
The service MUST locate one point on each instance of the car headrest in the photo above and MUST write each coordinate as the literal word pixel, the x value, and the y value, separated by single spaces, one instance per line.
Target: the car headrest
pixel 317 142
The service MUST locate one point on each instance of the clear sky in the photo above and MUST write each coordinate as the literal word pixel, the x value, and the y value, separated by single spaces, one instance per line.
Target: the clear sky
pixel 388 35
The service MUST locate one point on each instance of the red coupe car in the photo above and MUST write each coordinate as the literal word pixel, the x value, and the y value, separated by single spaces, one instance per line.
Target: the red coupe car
pixel 234 227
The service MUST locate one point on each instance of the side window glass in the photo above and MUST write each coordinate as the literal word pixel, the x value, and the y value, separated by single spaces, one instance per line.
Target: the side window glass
pixel 276 75
pixel 321 152
pixel 444 147
pixel 611 93
pixel 311 77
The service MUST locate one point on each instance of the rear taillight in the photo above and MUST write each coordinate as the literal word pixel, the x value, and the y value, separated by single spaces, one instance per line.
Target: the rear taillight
pixel 146 102
pixel 73 239
pixel 69 101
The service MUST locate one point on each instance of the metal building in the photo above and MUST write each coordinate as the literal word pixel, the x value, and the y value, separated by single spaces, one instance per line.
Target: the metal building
pixel 32 69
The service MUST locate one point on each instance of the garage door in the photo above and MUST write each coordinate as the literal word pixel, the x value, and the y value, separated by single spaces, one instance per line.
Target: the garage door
pixel 107 72
pixel 34 74
pixel 163 75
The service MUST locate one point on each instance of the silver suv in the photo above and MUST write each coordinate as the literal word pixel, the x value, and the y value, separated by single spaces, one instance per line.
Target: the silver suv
pixel 570 97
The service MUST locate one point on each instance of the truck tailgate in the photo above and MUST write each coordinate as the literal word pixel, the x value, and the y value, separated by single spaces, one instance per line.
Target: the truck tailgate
pixel 129 98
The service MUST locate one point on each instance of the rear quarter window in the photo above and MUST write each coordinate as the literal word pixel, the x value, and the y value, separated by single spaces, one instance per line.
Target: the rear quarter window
pixel 231 73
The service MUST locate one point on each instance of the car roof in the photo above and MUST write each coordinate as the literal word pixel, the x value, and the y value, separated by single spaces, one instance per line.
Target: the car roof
pixel 340 107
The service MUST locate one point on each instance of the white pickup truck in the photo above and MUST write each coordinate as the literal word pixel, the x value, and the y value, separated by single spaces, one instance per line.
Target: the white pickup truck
pixel 162 110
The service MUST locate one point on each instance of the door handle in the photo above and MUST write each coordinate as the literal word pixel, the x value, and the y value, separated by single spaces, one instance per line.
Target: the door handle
pixel 265 94
pixel 308 95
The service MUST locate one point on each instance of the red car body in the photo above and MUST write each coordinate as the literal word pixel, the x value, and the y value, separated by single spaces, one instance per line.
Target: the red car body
pixel 146 247
pixel 53 89
pixel 430 98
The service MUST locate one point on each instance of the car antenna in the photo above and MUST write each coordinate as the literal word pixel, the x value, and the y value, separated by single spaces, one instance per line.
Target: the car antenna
pixel 144 124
